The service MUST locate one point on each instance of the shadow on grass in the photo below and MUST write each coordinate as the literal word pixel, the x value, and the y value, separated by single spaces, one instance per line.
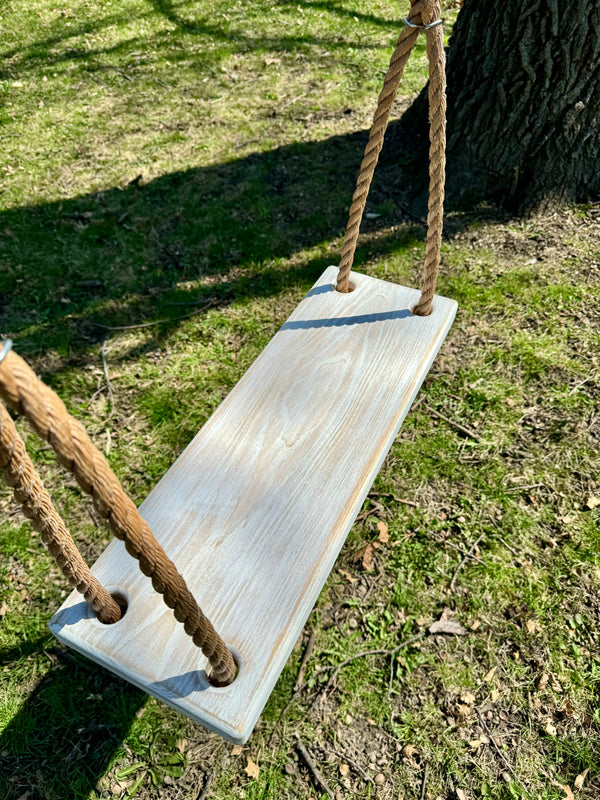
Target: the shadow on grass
pixel 62 740
pixel 168 9
pixel 68 45
pixel 75 269
pixel 136 254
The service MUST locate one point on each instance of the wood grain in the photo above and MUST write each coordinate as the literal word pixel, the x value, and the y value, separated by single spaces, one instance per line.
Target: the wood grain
pixel 257 508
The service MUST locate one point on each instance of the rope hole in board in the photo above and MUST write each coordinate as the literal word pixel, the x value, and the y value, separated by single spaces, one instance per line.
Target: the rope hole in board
pixel 121 598
pixel 351 288
pixel 414 310
pixel 214 682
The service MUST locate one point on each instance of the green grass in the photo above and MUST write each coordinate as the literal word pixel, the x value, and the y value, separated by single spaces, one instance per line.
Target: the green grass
pixel 160 154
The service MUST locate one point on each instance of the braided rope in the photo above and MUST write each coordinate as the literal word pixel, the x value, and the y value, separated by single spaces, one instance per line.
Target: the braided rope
pixel 422 12
pixel 385 101
pixel 35 501
pixel 437 156
pixel 22 391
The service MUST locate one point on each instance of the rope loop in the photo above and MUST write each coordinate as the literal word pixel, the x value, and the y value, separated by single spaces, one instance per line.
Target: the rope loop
pixel 35 501
pixel 26 394
pixel 424 15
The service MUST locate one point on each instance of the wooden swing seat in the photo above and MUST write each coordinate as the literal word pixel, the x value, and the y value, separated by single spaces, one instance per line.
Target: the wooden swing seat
pixel 257 508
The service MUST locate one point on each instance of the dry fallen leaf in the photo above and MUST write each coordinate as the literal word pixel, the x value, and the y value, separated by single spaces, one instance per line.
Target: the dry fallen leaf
pixel 181 745
pixel 410 752
pixel 3 609
pixel 580 779
pixel 475 744
pixel 550 729
pixel 568 518
pixel 237 750
pixel 463 712
pixel 489 675
pixel 461 794
pixel 344 769
pixel 449 626
pixel 566 789
pixel 495 694
pixel 345 574
pixel 593 501
pixel 567 708
pixel 384 535
pixel 468 698
pixel 533 626
pixel 252 769
pixel 365 556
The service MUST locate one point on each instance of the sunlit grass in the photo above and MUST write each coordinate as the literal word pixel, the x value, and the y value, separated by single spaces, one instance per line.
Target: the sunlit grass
pixel 193 162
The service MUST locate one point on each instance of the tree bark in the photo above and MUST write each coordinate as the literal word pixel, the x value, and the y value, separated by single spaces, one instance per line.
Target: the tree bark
pixel 523 103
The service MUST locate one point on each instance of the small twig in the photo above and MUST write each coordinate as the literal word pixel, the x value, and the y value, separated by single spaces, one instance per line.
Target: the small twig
pixel 99 390
pixel 336 669
pixel 315 771
pixel 527 486
pixel 107 379
pixel 150 324
pixel 307 653
pixel 123 74
pixel 245 143
pixel 207 783
pixel 406 502
pixel 511 452
pixel 350 761
pixel 377 509
pixel 467 431
pixel 493 741
pixel 293 100
pixel 347 661
pixel 420 399
pixel 72 755
pixel 393 496
pixel 508 547
pixel 459 549
pixel 465 559
pixel 424 783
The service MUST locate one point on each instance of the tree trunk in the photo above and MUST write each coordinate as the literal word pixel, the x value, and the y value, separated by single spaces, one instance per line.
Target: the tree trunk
pixel 523 102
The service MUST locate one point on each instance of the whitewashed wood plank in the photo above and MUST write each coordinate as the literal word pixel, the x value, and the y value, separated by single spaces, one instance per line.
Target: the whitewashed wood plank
pixel 256 509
